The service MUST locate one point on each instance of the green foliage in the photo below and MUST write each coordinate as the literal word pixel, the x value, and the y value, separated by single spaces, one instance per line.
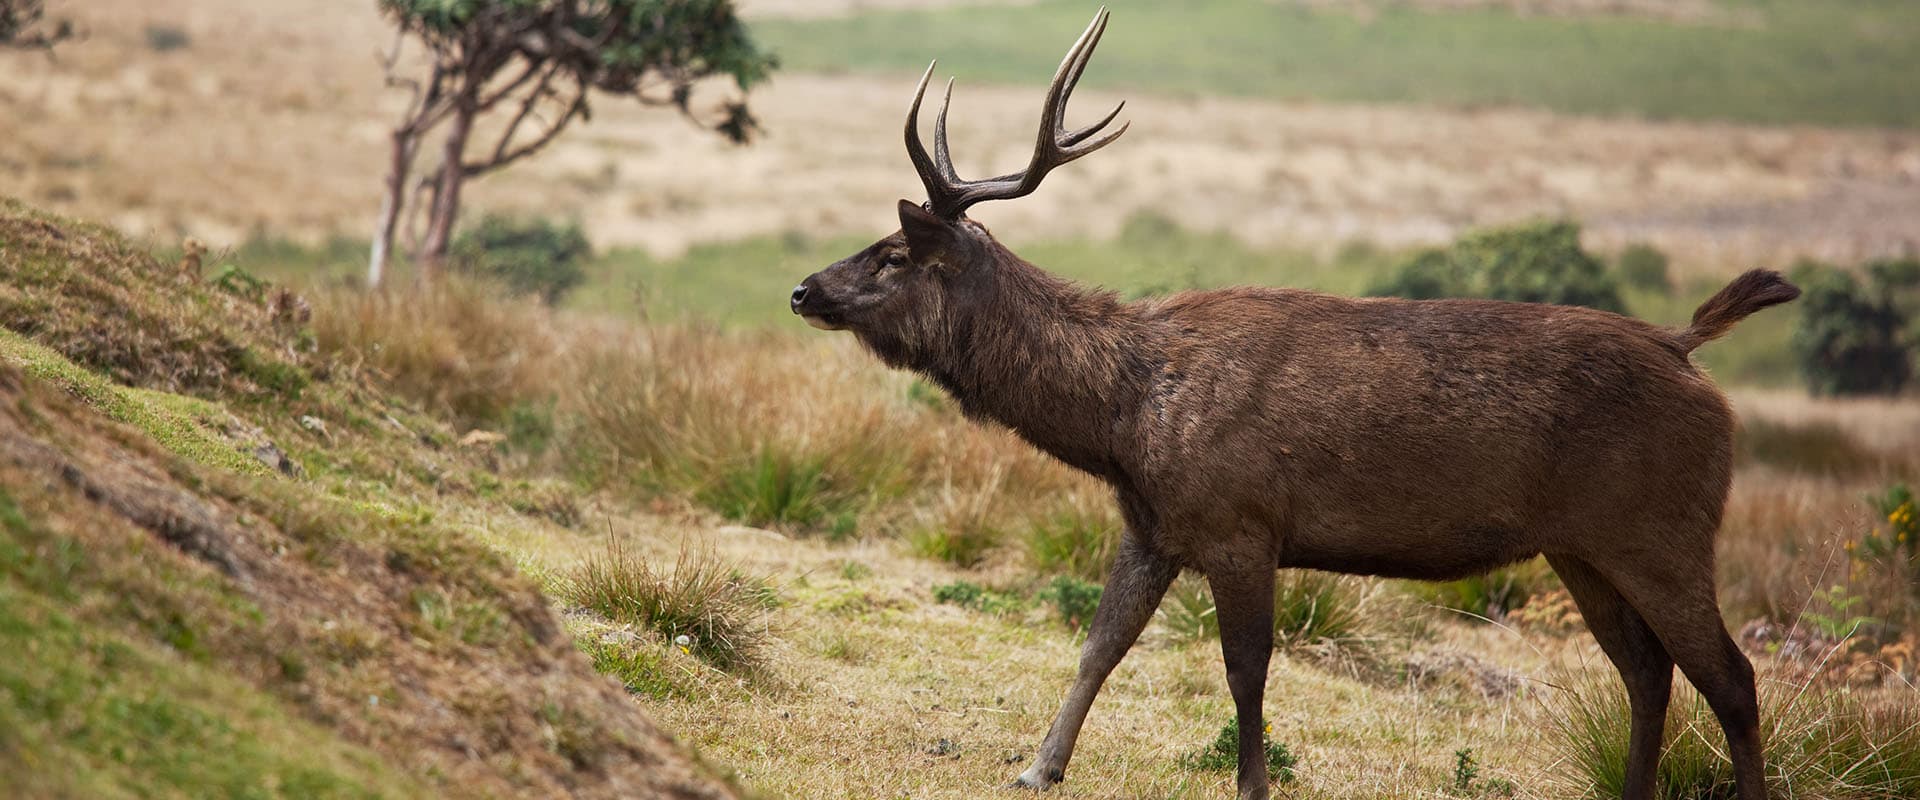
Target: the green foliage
pixel 527 255
pixel 701 599
pixel 1223 754
pixel 1855 337
pixel 1642 266
pixel 1465 769
pixel 967 594
pixel 634 43
pixel 1075 599
pixel 1837 62
pixel 1899 539
pixel 1540 262
pixel 1837 622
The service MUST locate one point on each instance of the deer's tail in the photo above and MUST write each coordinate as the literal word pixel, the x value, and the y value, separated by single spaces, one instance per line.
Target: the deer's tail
pixel 1752 291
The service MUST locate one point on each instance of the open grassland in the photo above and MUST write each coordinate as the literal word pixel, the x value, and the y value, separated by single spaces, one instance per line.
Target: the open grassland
pixel 813 570
pixel 224 140
pixel 1835 62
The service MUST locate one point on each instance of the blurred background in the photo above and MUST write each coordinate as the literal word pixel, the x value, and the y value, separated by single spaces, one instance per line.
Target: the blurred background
pixel 813 568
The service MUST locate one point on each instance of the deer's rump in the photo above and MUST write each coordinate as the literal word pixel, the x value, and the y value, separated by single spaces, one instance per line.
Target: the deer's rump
pixel 1427 439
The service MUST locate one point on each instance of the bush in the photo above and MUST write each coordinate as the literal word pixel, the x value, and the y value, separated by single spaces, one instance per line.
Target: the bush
pixel 1644 267
pixel 1853 337
pixel 529 256
pixel 1075 599
pixel 1540 262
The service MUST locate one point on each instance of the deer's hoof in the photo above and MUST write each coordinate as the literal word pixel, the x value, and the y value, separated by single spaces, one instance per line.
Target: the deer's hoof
pixel 1037 779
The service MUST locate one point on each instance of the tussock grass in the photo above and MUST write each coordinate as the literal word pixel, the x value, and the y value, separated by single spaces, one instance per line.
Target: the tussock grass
pixel 1821 741
pixel 704 600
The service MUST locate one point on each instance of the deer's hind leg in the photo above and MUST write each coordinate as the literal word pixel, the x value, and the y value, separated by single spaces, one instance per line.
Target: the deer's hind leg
pixel 1676 597
pixel 1642 661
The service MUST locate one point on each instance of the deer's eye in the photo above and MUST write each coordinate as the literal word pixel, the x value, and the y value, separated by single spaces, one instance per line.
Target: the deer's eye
pixel 894 260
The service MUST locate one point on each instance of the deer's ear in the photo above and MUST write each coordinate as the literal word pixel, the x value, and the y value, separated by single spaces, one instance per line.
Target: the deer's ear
pixel 928 236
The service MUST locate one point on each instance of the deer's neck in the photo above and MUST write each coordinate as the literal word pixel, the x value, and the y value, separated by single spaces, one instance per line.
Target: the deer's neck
pixel 1059 364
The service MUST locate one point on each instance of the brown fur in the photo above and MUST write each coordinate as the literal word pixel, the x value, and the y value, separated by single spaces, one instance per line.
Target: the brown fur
pixel 1250 429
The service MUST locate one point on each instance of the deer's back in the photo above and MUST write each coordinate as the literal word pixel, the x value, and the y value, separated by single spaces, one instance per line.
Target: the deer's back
pixel 1375 435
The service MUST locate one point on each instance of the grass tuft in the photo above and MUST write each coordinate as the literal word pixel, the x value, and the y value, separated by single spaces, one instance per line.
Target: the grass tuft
pixel 701 599
pixel 1821 741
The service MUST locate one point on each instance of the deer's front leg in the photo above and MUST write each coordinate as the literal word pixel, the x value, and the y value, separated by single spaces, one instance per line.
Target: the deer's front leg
pixel 1134 587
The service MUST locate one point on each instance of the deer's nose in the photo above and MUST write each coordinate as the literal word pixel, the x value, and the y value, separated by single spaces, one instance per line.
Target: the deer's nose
pixel 799 296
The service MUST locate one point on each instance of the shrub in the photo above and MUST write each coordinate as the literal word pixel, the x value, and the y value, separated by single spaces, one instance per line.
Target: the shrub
pixel 1898 541
pixel 529 256
pixel 1643 266
pixel 1540 262
pixel 1075 599
pixel 1853 336
pixel 967 594
pixel 702 599
pixel 1223 754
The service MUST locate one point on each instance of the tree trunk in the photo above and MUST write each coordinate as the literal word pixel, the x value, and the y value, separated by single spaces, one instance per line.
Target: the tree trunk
pixel 404 142
pixel 446 196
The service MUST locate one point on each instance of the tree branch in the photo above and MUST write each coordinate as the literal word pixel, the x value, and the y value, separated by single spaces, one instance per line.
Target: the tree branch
pixel 504 157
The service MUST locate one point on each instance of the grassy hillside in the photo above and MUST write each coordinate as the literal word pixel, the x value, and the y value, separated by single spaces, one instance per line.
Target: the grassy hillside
pixel 1834 62
pixel 226 568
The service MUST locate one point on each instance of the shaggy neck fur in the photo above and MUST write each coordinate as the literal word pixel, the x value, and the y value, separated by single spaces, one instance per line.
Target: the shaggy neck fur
pixel 1059 364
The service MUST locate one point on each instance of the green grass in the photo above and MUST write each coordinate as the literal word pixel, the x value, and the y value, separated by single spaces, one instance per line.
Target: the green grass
pixel 102 703
pixel 1837 62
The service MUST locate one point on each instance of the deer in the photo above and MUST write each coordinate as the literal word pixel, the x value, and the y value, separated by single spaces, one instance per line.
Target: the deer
pixel 1247 430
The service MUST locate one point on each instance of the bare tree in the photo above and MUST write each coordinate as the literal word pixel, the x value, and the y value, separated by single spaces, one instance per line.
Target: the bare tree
pixel 536 63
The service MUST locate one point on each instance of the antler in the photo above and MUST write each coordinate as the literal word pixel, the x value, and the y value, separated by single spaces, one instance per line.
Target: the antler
pixel 949 196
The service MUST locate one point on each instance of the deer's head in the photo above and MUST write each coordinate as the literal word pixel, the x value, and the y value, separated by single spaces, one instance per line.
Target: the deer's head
pixel 940 267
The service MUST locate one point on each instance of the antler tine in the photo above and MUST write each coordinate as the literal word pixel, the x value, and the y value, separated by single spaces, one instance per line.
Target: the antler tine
pixel 950 196
pixel 938 190
pixel 941 158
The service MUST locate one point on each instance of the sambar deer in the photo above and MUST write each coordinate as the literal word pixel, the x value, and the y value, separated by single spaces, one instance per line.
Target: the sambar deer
pixel 1246 430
